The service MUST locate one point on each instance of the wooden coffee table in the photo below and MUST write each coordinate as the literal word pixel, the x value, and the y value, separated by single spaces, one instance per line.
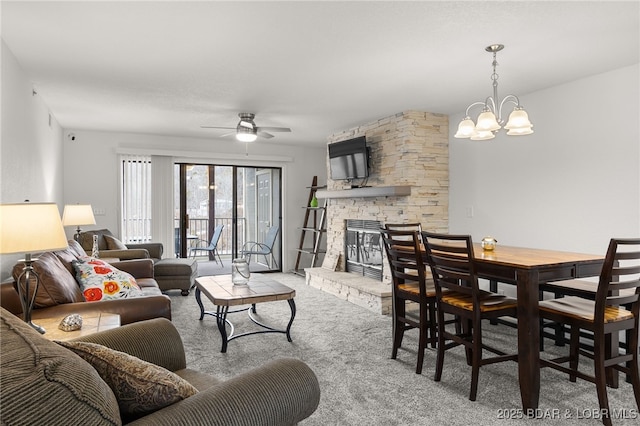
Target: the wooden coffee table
pixel 220 290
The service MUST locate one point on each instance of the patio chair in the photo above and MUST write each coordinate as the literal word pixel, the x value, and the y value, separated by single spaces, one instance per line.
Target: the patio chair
pixel 266 248
pixel 212 247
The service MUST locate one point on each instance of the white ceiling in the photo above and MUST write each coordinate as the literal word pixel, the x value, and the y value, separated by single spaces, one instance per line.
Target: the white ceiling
pixel 318 67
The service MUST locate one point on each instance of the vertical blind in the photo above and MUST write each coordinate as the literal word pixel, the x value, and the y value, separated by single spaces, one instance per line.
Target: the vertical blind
pixel 136 198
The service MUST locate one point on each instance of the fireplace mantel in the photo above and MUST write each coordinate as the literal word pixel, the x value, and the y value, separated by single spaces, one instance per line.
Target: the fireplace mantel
pixel 379 191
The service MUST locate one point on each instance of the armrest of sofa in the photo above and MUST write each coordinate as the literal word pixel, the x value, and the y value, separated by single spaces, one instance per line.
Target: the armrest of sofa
pixel 156 341
pixel 281 392
pixel 128 254
pixel 155 249
pixel 139 268
pixel 9 298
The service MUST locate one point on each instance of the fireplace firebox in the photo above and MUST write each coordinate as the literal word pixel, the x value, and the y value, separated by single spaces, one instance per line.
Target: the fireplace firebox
pixel 363 248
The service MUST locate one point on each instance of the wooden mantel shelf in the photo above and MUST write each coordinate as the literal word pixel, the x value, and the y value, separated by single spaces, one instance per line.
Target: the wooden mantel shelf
pixel 379 191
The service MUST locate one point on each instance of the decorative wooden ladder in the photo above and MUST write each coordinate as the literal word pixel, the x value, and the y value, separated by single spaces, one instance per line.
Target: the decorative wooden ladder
pixel 314 227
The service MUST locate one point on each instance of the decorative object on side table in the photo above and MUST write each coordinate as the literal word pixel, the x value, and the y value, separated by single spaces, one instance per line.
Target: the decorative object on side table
pixel 27 228
pixel 71 322
pixel 76 215
pixel 95 252
pixel 488 243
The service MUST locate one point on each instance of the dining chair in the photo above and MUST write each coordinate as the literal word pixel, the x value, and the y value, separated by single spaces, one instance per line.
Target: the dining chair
pixel 410 284
pixel 212 247
pixel 265 248
pixel 452 264
pixel 615 308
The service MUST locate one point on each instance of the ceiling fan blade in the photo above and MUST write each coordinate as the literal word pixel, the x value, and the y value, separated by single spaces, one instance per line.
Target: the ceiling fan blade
pixel 274 129
pixel 264 135
pixel 227 134
pixel 217 127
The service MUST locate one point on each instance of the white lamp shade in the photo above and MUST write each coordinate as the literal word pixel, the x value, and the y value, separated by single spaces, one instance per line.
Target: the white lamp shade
pixel 483 136
pixel 520 132
pixel 31 227
pixel 78 214
pixel 518 119
pixel 487 122
pixel 466 129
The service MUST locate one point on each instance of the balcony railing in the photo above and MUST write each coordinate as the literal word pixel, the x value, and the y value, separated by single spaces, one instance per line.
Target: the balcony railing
pixel 198 232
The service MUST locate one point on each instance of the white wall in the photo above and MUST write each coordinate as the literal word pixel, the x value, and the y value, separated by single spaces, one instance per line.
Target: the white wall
pixel 572 185
pixel 91 175
pixel 30 146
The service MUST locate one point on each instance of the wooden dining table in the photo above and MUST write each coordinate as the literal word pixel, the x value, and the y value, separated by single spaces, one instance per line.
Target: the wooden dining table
pixel 527 268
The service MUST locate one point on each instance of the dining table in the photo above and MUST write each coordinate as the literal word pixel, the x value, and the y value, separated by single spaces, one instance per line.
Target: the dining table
pixel 527 268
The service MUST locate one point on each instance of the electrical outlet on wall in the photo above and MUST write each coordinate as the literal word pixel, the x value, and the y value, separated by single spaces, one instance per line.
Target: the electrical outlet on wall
pixel 469 211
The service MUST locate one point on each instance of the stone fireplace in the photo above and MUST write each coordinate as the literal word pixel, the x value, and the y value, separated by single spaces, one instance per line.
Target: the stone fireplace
pixel 408 182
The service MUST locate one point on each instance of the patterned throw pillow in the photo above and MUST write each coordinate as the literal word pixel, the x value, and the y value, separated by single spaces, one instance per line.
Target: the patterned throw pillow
pixel 139 386
pixel 101 281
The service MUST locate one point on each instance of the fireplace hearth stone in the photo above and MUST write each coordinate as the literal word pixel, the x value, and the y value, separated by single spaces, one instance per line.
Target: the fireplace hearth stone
pixel 366 292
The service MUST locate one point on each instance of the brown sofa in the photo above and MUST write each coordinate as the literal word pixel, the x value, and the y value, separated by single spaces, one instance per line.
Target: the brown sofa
pixel 59 293
pixel 44 383
pixel 108 248
pixel 170 273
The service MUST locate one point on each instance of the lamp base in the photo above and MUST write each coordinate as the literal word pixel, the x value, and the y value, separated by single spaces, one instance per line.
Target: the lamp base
pixel 40 329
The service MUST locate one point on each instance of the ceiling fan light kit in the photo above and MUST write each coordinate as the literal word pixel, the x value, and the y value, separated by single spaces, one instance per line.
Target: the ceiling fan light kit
pixel 490 120
pixel 247 131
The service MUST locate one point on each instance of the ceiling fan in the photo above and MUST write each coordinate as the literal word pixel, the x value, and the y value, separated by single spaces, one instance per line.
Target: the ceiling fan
pixel 247 131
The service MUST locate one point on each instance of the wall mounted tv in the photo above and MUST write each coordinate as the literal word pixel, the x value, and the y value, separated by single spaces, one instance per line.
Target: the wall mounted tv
pixel 349 159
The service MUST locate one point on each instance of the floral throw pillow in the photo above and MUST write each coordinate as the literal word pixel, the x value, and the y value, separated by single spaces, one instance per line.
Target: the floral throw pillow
pixel 101 281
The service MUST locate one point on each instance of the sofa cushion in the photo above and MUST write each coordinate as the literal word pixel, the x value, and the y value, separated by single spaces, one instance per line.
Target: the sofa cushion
pixel 101 281
pixel 139 386
pixel 113 243
pixel 68 255
pixel 33 369
pixel 56 284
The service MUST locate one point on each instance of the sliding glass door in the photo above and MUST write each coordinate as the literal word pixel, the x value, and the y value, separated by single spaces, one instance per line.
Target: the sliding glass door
pixel 245 201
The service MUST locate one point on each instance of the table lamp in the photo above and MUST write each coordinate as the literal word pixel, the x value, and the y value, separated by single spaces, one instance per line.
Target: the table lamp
pixel 76 215
pixel 27 228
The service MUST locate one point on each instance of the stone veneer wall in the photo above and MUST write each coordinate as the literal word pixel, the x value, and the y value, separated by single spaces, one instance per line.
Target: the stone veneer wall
pixel 409 148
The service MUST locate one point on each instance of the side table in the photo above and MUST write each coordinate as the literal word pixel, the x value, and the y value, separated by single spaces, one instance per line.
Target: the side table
pixel 91 323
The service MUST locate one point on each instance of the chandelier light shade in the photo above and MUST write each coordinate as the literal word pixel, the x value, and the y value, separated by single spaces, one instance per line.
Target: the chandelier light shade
pixel 491 120
pixel 76 215
pixel 30 228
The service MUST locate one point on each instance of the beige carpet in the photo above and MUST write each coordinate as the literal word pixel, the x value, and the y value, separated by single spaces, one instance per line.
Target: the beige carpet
pixel 349 349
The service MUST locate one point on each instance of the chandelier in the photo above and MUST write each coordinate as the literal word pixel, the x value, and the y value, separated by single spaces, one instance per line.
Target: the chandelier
pixel 490 119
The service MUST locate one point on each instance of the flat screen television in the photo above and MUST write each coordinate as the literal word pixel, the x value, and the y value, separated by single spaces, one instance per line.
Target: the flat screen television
pixel 349 159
